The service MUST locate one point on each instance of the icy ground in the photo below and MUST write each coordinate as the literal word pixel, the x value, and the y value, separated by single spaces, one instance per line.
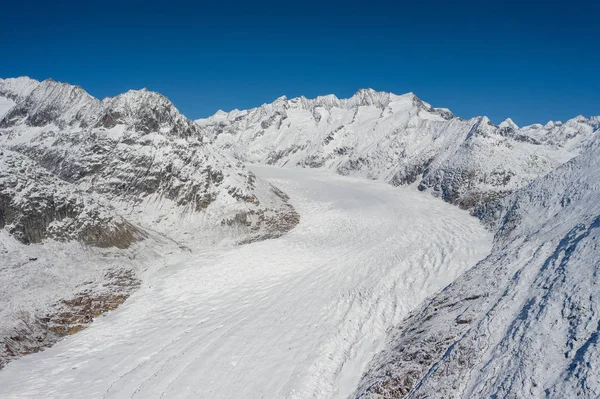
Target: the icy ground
pixel 294 317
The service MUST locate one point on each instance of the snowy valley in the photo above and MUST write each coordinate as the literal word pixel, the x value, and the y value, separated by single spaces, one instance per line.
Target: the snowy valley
pixel 372 247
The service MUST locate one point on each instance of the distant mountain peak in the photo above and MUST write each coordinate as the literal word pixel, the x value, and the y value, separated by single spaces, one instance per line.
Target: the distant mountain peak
pixel 508 123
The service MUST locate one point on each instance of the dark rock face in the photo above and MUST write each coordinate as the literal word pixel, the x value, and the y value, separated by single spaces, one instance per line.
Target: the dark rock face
pixel 35 205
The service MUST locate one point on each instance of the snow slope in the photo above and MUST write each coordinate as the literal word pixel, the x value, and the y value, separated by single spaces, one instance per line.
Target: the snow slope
pixel 525 321
pixel 400 140
pixel 5 105
pixel 296 317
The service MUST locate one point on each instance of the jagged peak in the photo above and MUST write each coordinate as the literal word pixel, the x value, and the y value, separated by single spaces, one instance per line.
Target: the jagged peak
pixel 363 97
pixel 143 92
pixel 67 87
pixel 508 123
pixel 51 101
pixel 552 124
pixel 485 121
pixel 136 99
pixel 17 88
pixel 578 119
pixel 366 92
pixel 327 97
pixel 370 96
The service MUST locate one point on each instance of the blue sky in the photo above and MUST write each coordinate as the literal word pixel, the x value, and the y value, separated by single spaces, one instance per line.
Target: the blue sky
pixel 532 61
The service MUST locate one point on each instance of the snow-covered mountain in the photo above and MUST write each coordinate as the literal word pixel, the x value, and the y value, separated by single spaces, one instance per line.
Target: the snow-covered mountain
pixel 524 322
pixel 401 140
pixel 108 174
pixel 138 151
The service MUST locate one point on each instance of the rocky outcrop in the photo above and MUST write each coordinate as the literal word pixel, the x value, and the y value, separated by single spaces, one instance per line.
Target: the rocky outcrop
pixel 34 332
pixel 35 205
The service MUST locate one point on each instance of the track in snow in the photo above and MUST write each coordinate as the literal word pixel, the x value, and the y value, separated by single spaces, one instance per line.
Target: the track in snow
pixel 295 317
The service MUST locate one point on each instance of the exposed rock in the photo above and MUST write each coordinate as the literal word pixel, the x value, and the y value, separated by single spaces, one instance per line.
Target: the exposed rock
pixel 35 205
pixel 67 317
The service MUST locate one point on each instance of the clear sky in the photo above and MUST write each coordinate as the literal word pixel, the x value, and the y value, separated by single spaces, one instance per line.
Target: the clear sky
pixel 530 60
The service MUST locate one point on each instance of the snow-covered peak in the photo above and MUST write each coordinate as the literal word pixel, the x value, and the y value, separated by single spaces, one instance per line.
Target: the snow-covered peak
pixel 382 99
pixel 330 99
pixel 362 98
pixel 138 99
pixel 508 123
pixel 369 97
pixel 145 111
pixel 63 104
pixel 578 119
pixel 49 101
pixel 132 148
pixel 17 88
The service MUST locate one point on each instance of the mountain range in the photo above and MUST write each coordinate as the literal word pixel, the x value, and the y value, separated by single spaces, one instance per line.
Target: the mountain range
pixel 131 177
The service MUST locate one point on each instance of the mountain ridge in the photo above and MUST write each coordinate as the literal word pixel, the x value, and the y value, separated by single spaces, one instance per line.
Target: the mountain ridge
pixel 333 98
pixel 408 141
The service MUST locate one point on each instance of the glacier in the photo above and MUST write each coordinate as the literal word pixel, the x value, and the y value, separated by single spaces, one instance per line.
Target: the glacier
pixel 297 317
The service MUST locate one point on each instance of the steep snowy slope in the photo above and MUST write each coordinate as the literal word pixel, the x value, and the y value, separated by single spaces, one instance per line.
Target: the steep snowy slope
pixel 399 139
pixel 51 290
pixel 525 321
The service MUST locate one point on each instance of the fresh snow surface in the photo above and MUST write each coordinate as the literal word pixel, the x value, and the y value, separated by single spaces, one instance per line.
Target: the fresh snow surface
pixel 296 317
pixel 5 106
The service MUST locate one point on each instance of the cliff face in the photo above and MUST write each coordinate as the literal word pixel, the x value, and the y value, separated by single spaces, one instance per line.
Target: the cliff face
pixel 36 205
